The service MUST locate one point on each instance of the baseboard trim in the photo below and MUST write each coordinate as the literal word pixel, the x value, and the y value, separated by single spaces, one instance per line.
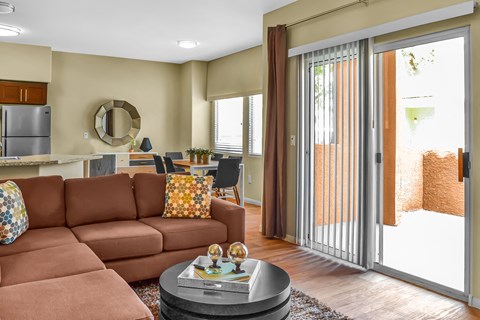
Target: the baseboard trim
pixel 291 239
pixel 253 201
pixel 474 302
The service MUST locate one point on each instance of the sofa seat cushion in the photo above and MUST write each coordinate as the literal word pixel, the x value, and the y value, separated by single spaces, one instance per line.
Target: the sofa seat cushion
pixel 101 295
pixel 120 239
pixel 49 263
pixel 39 239
pixel 179 234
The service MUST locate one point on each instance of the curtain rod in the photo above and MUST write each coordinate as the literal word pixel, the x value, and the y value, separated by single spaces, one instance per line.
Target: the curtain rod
pixel 365 2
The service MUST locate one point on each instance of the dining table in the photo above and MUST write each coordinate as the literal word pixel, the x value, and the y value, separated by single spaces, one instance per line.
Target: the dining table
pixel 212 165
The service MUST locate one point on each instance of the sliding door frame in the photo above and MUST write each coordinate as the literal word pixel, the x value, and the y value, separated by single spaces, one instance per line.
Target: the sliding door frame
pixel 376 183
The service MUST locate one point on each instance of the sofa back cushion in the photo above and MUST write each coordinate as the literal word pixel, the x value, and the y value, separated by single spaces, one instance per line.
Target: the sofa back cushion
pixel 149 194
pixel 99 199
pixel 44 200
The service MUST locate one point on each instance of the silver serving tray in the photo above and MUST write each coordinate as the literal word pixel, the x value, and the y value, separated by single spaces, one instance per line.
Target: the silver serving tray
pixel 189 279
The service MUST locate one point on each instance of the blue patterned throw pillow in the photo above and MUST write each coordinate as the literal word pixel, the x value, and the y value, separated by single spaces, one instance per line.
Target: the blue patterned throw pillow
pixel 13 214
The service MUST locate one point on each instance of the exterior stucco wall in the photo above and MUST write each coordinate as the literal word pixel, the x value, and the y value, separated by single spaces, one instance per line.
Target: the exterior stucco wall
pixel 441 190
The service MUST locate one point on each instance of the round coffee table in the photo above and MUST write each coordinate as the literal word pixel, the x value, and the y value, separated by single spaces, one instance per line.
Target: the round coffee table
pixel 268 299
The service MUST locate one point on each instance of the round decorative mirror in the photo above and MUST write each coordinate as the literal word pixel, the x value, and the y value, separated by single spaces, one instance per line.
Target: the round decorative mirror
pixel 117 122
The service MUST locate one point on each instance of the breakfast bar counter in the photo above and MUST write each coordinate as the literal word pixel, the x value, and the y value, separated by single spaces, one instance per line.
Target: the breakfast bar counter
pixel 67 166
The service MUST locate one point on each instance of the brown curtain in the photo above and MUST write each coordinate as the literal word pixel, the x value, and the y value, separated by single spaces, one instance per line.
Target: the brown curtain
pixel 274 176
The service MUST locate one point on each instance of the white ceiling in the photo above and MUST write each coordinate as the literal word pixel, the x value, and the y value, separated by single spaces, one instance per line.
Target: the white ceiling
pixel 141 29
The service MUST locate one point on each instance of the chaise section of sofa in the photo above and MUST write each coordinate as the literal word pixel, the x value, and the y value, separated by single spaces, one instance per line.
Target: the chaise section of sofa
pixel 49 263
pixel 101 295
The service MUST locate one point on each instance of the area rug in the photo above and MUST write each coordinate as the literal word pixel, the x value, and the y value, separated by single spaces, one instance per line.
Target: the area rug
pixel 303 307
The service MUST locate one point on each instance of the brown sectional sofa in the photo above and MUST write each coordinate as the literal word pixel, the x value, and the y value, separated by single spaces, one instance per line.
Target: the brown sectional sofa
pixel 85 235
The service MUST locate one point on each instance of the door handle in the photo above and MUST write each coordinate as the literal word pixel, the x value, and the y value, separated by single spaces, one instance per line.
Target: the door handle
pixel 21 95
pixel 463 164
pixel 26 95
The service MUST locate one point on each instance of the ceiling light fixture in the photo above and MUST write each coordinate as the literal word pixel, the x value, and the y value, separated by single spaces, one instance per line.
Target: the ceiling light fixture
pixel 187 44
pixel 9 31
pixel 6 7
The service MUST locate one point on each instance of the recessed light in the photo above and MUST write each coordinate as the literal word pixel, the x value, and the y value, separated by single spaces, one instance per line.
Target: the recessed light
pixel 9 31
pixel 6 7
pixel 187 44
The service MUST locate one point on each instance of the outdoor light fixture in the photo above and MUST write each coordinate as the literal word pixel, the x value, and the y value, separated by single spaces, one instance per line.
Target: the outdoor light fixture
pixel 9 31
pixel 187 44
pixel 6 7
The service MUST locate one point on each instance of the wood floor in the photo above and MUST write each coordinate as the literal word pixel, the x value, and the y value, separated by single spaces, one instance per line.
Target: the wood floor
pixel 357 294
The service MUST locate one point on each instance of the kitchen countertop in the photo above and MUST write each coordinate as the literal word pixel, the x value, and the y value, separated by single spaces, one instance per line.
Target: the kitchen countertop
pixel 47 159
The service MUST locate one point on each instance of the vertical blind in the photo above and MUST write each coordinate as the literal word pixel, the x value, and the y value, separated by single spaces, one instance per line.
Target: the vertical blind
pixel 330 157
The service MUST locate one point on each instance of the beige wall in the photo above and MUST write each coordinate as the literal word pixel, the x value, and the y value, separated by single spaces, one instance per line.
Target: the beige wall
pixel 81 83
pixel 25 63
pixel 349 20
pixel 194 121
pixel 184 120
pixel 240 75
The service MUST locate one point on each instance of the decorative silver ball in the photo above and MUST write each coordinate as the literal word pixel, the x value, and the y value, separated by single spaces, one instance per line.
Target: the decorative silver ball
pixel 215 252
pixel 237 253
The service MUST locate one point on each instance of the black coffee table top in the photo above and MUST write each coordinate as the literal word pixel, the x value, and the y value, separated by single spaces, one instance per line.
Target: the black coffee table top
pixel 271 289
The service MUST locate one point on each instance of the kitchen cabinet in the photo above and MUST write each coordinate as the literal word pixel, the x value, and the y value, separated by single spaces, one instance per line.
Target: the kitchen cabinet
pixel 126 162
pixel 16 92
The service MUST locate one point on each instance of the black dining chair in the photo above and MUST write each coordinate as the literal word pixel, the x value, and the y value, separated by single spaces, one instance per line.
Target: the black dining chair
pixel 236 157
pixel 175 156
pixel 215 157
pixel 226 179
pixel 159 164
pixel 170 167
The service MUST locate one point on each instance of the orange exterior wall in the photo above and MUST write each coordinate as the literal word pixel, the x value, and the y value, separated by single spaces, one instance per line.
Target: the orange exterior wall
pixel 441 190
pixel 409 181
pixel 325 196
pixel 390 215
pixel 325 186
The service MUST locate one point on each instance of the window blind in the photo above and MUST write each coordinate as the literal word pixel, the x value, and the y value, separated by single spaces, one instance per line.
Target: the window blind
pixel 255 112
pixel 229 125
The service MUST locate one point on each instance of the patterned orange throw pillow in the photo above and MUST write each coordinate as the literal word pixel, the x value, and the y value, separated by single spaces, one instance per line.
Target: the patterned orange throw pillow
pixel 188 196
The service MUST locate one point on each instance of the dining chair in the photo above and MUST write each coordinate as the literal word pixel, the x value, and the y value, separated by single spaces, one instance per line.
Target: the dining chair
pixel 159 164
pixel 236 157
pixel 215 157
pixel 228 173
pixel 176 155
pixel 170 167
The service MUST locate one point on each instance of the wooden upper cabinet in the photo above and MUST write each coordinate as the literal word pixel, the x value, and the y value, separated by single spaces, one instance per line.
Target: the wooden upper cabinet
pixel 15 92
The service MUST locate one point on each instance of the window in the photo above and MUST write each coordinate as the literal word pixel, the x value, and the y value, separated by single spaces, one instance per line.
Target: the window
pixel 229 125
pixel 255 111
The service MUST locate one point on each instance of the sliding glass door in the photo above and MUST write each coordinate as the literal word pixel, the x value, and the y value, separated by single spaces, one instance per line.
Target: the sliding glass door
pixel 422 87
pixel 331 151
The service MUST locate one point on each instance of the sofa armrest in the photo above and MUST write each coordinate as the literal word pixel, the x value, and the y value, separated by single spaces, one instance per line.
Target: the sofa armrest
pixel 232 216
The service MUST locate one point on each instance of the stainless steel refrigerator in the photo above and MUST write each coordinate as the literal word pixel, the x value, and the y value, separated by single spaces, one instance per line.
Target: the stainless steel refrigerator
pixel 26 130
